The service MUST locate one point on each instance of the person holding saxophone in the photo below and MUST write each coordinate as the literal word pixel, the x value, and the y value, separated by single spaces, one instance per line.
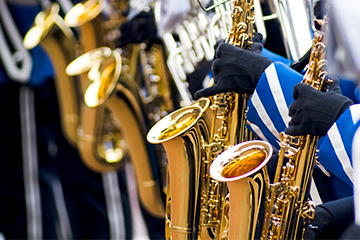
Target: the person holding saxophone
pixel 272 85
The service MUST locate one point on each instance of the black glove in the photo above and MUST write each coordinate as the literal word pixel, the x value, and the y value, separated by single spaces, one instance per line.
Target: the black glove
pixel 322 220
pixel 236 69
pixel 313 112
pixel 141 28
pixel 331 219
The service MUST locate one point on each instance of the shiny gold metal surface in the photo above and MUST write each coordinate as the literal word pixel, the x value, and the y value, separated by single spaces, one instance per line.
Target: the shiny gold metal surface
pixel 244 161
pixel 58 41
pixel 84 12
pixel 182 135
pixel 112 87
pixel 243 168
pixel 288 209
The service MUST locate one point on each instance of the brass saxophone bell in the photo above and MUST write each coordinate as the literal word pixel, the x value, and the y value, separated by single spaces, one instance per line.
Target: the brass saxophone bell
pixel 243 168
pixel 104 69
pixel 174 124
pixel 240 161
pixel 178 122
pixel 84 12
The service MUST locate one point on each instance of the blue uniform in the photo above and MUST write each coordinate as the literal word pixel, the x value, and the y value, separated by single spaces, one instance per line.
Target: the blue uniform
pixel 47 191
pixel 268 114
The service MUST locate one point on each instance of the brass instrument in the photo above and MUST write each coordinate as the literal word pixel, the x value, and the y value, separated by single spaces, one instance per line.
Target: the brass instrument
pixel 186 143
pixel 220 22
pixel 155 91
pixel 98 22
pixel 288 209
pixel 87 129
pixel 101 142
pixel 185 130
pixel 113 87
pixel 51 32
pixel 186 47
pixel 243 168
pixel 295 22
pixel 226 108
pixel 116 87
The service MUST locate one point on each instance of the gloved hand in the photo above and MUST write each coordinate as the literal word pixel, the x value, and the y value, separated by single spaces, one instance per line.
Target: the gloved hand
pixel 236 69
pixel 322 221
pixel 141 28
pixel 313 112
pixel 331 219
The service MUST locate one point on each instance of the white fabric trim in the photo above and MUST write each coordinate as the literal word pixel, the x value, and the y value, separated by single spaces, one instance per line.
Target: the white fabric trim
pixel 258 132
pixel 277 93
pixel 356 165
pixel 140 231
pixel 30 161
pixel 314 193
pixel 114 206
pixel 64 221
pixel 340 152
pixel 259 107
pixel 355 113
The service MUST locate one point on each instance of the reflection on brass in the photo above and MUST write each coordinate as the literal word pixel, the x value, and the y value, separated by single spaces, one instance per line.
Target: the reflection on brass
pixel 288 208
pixel 244 162
pixel 183 121
pixel 84 12
pixel 58 41
pixel 243 168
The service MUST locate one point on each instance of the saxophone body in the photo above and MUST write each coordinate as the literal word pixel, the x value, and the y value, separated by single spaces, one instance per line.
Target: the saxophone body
pixel 288 208
pixel 200 146
pixel 55 37
pixel 243 168
pixel 228 126
pixel 112 99
pixel 185 129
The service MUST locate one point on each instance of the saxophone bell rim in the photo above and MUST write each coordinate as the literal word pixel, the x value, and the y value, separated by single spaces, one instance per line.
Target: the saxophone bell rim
pixel 95 95
pixel 84 12
pixel 86 61
pixel 197 108
pixel 219 163
pixel 204 103
pixel 43 22
pixel 155 133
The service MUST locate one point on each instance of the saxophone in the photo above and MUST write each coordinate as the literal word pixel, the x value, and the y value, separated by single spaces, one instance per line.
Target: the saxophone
pixel 228 125
pixel 185 129
pixel 54 36
pixel 192 137
pixel 287 208
pixel 243 168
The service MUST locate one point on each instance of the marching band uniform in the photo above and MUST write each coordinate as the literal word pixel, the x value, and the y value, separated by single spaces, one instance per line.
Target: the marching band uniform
pixel 271 85
pixel 46 190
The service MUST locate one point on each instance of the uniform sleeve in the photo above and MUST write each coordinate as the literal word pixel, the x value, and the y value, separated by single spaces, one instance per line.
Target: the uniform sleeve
pixel 268 106
pixel 336 148
pixel 275 57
